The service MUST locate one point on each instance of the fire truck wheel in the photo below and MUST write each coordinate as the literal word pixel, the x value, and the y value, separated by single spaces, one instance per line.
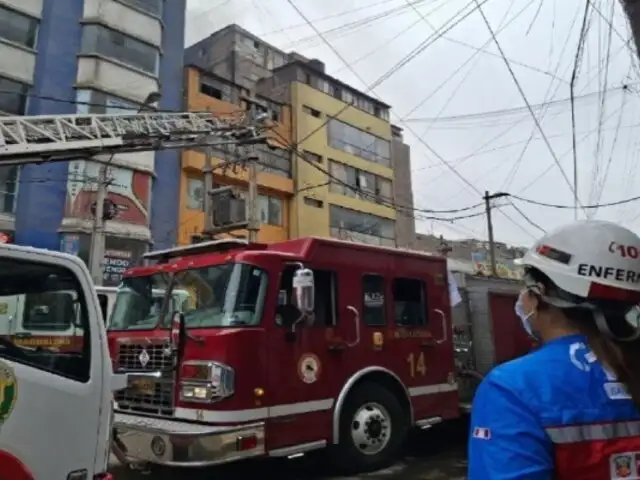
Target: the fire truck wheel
pixel 373 427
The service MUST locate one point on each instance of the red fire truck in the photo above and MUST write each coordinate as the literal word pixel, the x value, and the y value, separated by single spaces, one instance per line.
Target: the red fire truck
pixel 284 348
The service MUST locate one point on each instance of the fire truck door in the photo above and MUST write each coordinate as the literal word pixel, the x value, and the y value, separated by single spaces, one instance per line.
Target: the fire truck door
pixel 424 357
pixel 49 396
pixel 300 368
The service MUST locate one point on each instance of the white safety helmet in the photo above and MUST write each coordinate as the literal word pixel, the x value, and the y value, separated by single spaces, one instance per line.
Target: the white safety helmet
pixel 593 260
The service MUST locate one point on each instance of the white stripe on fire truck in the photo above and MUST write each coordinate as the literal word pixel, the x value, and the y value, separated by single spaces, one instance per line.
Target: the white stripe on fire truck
pixel 431 389
pixel 595 432
pixel 228 416
pixel 254 413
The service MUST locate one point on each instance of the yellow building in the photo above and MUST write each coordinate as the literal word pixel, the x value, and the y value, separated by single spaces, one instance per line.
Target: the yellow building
pixel 344 188
pixel 206 92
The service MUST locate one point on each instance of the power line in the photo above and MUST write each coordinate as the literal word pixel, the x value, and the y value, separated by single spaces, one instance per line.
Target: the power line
pixel 567 207
pixel 524 98
pixel 508 111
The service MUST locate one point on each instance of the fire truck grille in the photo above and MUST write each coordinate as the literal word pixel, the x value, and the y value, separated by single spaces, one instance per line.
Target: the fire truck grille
pixel 153 396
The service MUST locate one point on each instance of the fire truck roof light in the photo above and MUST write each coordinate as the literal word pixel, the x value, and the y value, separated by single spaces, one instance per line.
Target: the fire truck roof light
pixel 214 246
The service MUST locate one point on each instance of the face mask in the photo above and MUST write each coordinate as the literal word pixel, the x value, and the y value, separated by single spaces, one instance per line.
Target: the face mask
pixel 525 318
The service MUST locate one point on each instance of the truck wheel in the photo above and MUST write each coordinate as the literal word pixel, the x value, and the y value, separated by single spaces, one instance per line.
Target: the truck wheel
pixel 373 427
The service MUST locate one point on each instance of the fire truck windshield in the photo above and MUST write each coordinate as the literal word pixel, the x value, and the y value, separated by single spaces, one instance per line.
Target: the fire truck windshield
pixel 225 295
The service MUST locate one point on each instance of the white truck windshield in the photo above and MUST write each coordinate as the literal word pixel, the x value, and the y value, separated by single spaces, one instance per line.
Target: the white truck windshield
pixel 217 296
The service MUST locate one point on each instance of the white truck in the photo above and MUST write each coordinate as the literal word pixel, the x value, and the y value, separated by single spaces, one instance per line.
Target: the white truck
pixel 51 395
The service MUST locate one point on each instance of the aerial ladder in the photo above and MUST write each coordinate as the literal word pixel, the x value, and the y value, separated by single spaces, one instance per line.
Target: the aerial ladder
pixel 50 138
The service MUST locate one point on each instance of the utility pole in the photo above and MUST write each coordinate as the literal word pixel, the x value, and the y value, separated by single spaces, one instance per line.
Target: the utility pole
pixel 98 234
pixel 492 245
pixel 96 252
pixel 253 216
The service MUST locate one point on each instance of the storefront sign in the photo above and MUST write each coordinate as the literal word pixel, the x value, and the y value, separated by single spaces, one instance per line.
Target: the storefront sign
pixel 116 262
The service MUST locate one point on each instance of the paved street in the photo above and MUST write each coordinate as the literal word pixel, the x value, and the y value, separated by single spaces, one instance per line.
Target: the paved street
pixel 437 454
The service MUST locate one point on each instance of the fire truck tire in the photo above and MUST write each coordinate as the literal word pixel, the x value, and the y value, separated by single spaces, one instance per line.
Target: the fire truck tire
pixel 373 427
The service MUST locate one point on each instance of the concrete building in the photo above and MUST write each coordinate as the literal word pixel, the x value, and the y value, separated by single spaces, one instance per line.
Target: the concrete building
pixel 354 141
pixel 97 56
pixel 472 255
pixel 208 92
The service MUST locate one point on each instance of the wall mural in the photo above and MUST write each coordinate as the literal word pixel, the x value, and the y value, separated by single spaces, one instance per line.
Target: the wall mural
pixel 129 190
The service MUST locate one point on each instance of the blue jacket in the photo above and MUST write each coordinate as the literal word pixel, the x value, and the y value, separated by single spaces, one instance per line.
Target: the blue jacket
pixel 520 403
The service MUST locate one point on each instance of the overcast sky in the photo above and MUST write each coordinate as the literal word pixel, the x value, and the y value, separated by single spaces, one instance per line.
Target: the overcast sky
pixel 444 97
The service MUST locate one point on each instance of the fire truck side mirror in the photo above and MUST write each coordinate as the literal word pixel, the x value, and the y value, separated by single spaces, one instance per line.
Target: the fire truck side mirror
pixel 304 290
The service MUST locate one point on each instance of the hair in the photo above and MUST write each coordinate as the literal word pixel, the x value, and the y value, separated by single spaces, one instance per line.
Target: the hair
pixel 622 358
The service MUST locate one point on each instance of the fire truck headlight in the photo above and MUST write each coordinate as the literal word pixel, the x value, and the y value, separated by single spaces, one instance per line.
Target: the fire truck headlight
pixel 206 382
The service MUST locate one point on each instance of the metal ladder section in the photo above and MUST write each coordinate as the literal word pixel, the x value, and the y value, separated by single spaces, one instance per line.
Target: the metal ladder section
pixel 32 139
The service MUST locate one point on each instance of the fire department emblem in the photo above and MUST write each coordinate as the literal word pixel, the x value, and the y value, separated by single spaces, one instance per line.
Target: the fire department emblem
pixel 309 368
pixel 144 358
pixel 622 466
pixel 8 391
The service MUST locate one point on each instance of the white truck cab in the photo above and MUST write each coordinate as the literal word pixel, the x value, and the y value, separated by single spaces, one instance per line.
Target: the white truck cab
pixel 56 405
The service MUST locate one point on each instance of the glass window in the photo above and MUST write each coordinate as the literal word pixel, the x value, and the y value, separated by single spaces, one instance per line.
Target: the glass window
pixel 195 194
pixel 270 210
pixel 223 295
pixel 274 160
pixel 154 7
pixel 95 101
pixel 44 316
pixel 18 28
pixel 312 157
pixel 361 227
pixel 373 310
pixel 384 190
pixel 100 40
pixel 358 142
pixel 409 303
pixel 8 188
pixel 13 97
pixel 275 211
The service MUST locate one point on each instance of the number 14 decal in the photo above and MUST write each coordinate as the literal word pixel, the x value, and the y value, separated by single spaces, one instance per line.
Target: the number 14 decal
pixel 416 364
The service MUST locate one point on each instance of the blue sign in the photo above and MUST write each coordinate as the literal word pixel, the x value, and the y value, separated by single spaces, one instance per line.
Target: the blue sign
pixel 70 244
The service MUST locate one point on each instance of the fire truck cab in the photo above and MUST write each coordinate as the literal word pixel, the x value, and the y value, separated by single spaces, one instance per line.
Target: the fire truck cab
pixel 49 395
pixel 285 348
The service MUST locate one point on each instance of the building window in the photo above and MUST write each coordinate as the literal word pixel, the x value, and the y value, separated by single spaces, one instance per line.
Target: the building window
pixel 18 28
pixel 373 311
pixel 270 210
pixel 8 188
pixel 214 88
pixel 357 142
pixel 274 160
pixel 153 7
pixel 95 101
pixel 312 157
pixel 109 43
pixel 312 202
pixel 352 182
pixel 13 97
pixel 409 302
pixel 311 111
pixel 361 227
pixel 195 194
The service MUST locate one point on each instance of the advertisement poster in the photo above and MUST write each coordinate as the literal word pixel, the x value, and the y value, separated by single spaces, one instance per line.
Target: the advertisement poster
pixel 128 189
pixel 505 268
pixel 116 262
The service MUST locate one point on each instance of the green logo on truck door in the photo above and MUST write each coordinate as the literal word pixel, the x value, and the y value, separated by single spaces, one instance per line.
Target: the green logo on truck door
pixel 8 391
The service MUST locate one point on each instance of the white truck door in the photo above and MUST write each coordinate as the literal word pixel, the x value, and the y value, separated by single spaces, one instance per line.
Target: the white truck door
pixel 54 403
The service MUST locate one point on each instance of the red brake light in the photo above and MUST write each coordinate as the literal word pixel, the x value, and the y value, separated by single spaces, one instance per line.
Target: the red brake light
pixel 247 443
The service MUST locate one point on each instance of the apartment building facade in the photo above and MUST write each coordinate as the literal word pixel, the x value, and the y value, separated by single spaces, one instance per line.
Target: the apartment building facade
pixel 91 56
pixel 208 92
pixel 354 143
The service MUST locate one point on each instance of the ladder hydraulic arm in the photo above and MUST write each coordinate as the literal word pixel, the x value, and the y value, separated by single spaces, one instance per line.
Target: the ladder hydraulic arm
pixel 66 137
